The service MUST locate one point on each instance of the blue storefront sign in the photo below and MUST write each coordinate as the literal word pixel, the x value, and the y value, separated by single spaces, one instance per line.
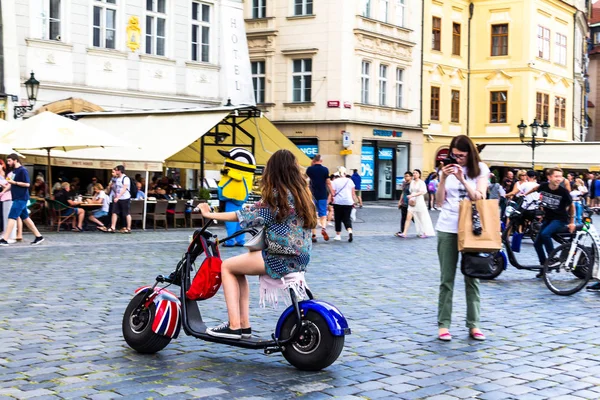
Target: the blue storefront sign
pixel 311 150
pixel 367 168
pixel 386 133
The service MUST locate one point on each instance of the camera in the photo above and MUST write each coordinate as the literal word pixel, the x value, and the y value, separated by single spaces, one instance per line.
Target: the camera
pixel 449 160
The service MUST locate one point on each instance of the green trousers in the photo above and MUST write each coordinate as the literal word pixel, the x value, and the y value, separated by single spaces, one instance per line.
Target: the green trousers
pixel 448 256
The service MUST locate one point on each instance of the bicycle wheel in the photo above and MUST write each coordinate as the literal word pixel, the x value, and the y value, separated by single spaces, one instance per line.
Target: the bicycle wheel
pixel 565 278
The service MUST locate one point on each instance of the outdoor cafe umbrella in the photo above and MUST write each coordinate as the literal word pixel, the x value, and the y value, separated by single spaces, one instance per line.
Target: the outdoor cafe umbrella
pixel 47 131
pixel 4 148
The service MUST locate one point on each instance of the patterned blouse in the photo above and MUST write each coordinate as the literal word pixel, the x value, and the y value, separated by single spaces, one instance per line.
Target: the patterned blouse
pixel 288 243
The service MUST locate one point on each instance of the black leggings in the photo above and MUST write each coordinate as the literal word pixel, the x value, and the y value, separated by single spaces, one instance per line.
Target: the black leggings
pixel 342 214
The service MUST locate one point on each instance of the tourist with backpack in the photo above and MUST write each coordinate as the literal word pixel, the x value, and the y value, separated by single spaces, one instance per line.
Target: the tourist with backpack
pixel 122 191
pixel 432 189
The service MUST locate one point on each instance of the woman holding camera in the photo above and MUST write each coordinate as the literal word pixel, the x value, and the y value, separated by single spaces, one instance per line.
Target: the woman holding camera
pixel 463 176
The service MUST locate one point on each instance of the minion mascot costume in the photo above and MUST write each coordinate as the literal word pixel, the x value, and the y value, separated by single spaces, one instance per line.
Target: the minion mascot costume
pixel 235 185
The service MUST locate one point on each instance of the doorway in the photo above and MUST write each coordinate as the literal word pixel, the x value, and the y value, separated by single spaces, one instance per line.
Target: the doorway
pixel 385 158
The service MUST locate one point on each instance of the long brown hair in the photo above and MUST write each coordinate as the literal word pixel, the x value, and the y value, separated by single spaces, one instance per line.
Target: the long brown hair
pixel 464 143
pixel 282 175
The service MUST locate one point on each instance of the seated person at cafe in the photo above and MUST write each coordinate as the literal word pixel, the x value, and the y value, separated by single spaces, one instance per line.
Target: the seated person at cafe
pixel 100 197
pixel 90 187
pixel 75 185
pixel 66 197
pixel 140 194
pixel 39 187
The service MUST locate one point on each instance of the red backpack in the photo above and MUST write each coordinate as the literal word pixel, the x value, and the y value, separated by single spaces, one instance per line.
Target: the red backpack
pixel 207 281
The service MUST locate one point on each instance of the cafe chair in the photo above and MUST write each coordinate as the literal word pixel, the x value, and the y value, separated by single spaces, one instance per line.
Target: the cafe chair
pixel 160 213
pixel 196 215
pixel 137 210
pixel 57 210
pixel 179 213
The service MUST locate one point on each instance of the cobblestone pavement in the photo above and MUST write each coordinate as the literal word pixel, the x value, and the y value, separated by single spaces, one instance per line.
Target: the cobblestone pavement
pixel 62 304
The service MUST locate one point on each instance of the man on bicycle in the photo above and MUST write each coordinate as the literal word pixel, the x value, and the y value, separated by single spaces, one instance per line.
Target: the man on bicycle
pixel 559 212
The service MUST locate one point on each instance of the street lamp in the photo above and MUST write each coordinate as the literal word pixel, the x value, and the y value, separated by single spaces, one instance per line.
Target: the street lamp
pixel 32 86
pixel 533 141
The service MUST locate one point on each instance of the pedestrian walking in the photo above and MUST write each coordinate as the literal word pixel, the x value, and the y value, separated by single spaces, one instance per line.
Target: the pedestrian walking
pixel 495 189
pixel 121 199
pixel 431 189
pixel 357 182
pixel 468 178
pixel 343 198
pixel 403 202
pixel 19 182
pixel 320 186
pixel 5 204
pixel 418 209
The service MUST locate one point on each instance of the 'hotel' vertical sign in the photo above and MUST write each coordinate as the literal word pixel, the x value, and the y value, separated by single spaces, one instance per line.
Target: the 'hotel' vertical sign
pixel 236 75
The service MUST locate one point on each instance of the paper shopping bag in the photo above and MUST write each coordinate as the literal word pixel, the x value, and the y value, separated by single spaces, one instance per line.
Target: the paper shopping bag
pixel 490 238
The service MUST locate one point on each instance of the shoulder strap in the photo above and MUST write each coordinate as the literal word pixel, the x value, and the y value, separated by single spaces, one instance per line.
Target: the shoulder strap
pixel 338 192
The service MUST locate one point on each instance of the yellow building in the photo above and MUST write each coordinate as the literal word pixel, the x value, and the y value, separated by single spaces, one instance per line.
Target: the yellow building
pixel 490 64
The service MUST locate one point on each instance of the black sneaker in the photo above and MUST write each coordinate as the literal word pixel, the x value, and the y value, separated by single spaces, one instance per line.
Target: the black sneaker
pixel 223 331
pixel 593 287
pixel 3 243
pixel 37 240
pixel 350 237
pixel 246 333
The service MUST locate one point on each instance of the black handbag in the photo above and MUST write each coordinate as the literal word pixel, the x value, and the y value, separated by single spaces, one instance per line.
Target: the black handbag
pixel 478 265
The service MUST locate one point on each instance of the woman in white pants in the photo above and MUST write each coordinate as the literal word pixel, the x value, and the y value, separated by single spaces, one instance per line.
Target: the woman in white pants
pixel 417 208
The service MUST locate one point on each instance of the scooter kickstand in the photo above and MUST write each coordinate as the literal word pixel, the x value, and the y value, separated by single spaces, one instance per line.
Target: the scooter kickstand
pixel 274 349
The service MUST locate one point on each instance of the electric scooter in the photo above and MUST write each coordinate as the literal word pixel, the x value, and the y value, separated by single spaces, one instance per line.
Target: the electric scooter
pixel 310 333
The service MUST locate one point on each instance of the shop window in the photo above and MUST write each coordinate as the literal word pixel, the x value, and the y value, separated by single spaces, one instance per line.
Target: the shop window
pixel 310 147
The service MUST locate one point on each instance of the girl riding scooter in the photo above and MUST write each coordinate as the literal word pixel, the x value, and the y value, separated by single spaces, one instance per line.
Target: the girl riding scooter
pixel 287 213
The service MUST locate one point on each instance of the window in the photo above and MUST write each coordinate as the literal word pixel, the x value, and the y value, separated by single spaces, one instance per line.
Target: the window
pixel 436 33
pixel 303 7
pixel 200 32
pixel 259 8
pixel 561 49
pixel 542 107
pixel 455 39
pixel 302 79
pixel 258 80
pixel 454 106
pixel 367 9
pixel 105 24
pixel 498 107
pixel 382 85
pixel 49 19
pixel 400 12
pixel 156 26
pixel 597 37
pixel 543 43
pixel 383 10
pixel 399 86
pixel 560 112
pixel 500 40
pixel 435 103
pixel 365 82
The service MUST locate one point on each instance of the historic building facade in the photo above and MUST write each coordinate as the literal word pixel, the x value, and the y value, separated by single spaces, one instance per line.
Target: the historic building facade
pixel 343 81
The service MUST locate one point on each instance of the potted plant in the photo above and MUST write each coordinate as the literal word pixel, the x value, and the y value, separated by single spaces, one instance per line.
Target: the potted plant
pixel 204 194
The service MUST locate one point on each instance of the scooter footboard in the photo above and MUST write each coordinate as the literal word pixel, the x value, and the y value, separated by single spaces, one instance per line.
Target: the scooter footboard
pixel 338 326
pixel 167 311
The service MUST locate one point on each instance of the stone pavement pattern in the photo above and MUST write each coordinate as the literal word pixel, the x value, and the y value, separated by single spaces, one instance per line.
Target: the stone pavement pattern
pixel 62 305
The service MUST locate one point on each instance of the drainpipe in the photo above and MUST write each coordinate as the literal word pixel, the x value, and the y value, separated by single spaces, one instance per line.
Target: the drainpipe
pixel 422 61
pixel 574 80
pixel 1 52
pixel 471 8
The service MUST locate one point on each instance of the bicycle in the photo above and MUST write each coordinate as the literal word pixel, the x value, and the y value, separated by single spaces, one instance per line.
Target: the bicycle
pixel 571 265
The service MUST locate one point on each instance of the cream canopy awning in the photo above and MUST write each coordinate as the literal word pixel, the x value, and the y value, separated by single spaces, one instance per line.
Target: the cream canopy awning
pixel 583 156
pixel 170 138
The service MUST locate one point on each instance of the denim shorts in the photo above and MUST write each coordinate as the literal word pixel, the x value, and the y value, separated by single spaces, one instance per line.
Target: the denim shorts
pixel 69 211
pixel 19 210
pixel 99 214
pixel 321 207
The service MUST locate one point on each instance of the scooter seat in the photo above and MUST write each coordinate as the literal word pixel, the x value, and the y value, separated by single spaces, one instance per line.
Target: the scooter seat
pixel 564 235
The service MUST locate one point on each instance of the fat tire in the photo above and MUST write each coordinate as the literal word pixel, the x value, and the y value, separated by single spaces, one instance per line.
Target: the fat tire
pixel 145 341
pixel 328 350
pixel 498 266
pixel 558 252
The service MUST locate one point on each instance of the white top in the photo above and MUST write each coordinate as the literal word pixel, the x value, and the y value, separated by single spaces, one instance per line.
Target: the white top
pixel 418 187
pixel 530 198
pixel 105 202
pixel 118 185
pixel 342 190
pixel 577 193
pixel 455 192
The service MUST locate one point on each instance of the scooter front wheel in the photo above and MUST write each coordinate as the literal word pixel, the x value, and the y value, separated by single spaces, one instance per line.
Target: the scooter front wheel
pixel 137 327
pixel 316 347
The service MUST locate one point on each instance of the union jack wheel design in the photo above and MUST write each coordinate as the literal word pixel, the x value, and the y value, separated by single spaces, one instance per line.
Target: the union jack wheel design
pixel 137 326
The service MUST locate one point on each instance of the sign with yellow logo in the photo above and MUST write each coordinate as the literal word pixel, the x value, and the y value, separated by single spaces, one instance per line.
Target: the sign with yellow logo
pixel 134 33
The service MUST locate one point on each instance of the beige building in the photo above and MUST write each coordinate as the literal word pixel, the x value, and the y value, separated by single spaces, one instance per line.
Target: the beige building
pixel 343 81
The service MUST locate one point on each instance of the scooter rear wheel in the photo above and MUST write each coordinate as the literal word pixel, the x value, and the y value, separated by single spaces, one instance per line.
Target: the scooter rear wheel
pixel 137 328
pixel 316 348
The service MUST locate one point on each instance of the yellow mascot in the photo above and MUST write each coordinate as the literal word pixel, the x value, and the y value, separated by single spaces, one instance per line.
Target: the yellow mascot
pixel 235 186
